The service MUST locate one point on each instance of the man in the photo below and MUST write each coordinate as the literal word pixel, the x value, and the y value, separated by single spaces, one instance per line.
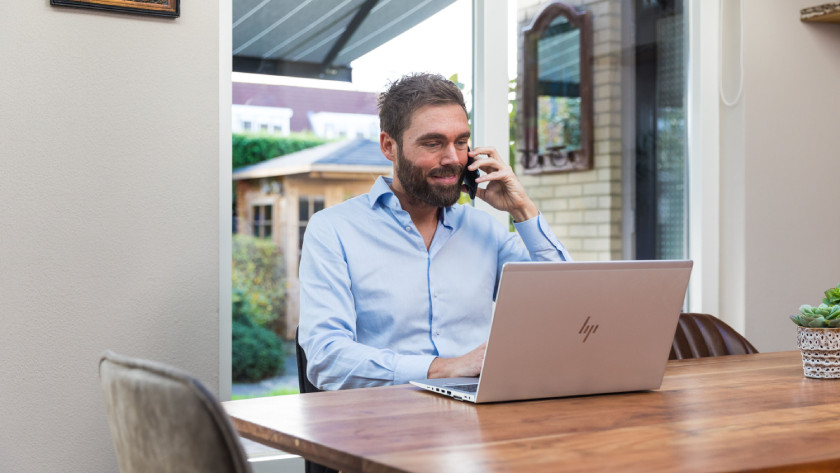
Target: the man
pixel 398 284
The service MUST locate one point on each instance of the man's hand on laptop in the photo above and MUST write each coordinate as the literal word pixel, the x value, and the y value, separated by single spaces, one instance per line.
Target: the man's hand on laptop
pixel 462 366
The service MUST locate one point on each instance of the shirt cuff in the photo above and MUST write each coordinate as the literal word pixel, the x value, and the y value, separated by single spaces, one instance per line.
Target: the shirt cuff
pixel 537 236
pixel 412 368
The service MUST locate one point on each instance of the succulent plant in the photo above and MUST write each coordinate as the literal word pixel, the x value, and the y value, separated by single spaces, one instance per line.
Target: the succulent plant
pixel 832 296
pixel 822 316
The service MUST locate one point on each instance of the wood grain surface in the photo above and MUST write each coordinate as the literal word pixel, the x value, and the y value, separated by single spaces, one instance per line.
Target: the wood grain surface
pixel 734 413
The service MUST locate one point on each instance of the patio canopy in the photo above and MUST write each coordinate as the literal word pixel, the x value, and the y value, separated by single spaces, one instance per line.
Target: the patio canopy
pixel 317 38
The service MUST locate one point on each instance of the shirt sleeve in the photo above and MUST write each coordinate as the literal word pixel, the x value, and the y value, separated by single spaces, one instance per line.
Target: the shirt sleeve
pixel 335 360
pixel 540 241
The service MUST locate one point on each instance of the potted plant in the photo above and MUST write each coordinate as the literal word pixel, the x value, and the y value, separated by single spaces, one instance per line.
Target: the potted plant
pixel 818 336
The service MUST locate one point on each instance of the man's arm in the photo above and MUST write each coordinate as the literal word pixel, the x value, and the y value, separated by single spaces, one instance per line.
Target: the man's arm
pixel 505 192
pixel 328 321
pixel 462 366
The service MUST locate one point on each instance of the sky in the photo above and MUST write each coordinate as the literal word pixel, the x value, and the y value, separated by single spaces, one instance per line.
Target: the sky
pixel 442 44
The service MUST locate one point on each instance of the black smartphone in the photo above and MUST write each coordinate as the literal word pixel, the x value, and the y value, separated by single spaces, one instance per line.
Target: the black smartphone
pixel 470 177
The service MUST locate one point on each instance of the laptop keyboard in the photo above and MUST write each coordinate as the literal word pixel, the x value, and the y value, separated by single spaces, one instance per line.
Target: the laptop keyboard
pixel 470 388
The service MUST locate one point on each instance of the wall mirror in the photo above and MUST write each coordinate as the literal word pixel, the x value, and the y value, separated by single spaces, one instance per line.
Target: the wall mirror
pixel 557 91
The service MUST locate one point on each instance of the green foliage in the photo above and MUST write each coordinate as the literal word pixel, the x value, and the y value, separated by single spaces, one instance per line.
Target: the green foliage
pixel 826 315
pixel 258 279
pixel 257 351
pixel 832 296
pixel 273 392
pixel 252 148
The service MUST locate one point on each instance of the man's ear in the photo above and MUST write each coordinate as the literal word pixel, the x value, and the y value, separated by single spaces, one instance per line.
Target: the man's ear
pixel 388 146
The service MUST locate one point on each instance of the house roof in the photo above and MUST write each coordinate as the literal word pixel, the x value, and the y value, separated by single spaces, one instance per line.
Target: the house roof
pixel 318 39
pixel 350 156
pixel 304 100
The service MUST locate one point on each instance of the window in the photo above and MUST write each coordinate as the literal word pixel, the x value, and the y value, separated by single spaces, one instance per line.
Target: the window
pixel 262 221
pixel 307 206
pixel 661 216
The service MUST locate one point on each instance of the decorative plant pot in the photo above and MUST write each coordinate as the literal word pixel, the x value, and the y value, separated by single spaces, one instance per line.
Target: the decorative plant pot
pixel 820 349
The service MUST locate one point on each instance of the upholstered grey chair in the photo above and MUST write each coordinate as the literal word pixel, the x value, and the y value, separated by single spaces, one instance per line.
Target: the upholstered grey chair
pixel 164 420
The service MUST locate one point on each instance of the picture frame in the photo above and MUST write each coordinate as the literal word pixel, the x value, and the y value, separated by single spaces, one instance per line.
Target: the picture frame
pixel 165 8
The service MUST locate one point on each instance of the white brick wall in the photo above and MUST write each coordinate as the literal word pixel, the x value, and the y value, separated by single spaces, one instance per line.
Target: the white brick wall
pixel 584 208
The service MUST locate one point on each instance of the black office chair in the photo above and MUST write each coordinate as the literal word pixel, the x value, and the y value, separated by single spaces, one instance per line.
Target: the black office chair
pixel 164 420
pixel 702 335
pixel 307 387
pixel 303 382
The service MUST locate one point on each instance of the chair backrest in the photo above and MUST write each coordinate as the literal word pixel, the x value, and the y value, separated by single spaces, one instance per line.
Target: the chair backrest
pixel 307 387
pixel 164 420
pixel 702 335
pixel 303 382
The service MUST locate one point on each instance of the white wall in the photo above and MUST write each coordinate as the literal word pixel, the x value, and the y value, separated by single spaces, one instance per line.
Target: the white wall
pixel 109 214
pixel 780 170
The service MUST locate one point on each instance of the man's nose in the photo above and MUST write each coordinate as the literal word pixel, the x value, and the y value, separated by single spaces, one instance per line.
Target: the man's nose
pixel 450 155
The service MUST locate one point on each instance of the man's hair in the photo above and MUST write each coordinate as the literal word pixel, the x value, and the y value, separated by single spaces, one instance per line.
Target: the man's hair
pixel 411 92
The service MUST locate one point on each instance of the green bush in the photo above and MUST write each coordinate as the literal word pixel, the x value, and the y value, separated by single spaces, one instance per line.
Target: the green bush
pixel 257 351
pixel 252 148
pixel 259 279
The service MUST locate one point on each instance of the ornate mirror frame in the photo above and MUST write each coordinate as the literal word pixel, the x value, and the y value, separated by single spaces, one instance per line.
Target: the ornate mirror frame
pixel 556 160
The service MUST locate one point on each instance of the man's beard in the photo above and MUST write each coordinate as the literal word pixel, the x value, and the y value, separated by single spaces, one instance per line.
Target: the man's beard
pixel 417 187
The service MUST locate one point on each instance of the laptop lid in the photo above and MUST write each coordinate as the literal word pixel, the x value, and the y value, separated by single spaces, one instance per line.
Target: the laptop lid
pixel 578 328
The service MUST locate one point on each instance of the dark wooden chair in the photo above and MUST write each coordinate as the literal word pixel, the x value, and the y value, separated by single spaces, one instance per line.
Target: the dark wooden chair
pixel 307 387
pixel 702 335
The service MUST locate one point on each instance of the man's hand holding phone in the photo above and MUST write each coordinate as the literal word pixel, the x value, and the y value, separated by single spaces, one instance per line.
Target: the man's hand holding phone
pixel 470 177
pixel 504 191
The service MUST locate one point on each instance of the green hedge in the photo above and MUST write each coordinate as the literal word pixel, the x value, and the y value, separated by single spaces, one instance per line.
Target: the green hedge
pixel 257 351
pixel 252 148
pixel 259 279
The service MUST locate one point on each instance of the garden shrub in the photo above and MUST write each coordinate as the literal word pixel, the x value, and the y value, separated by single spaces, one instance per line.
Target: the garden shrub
pixel 257 351
pixel 259 278
pixel 252 148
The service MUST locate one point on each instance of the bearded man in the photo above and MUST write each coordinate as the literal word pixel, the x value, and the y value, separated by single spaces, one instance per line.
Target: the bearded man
pixel 398 284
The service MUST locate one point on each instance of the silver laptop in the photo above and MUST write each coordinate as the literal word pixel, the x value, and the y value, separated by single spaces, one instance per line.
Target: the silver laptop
pixel 577 328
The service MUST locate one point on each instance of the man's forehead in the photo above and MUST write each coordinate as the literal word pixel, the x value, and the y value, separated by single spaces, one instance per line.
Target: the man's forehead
pixel 442 120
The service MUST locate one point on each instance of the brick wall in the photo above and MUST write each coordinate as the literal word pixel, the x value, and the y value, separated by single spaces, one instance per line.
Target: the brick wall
pixel 584 207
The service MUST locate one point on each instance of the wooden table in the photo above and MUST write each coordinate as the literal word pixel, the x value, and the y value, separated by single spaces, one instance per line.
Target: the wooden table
pixel 733 413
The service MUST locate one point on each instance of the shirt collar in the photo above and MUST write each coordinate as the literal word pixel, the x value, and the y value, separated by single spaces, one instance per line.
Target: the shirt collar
pixel 381 190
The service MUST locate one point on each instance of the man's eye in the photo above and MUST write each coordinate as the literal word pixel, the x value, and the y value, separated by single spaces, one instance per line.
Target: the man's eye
pixel 431 145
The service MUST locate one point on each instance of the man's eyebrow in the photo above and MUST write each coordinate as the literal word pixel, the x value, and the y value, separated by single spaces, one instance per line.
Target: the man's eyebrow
pixel 440 136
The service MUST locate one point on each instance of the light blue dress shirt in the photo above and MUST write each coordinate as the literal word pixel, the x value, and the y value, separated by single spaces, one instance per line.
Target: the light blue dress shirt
pixel 377 307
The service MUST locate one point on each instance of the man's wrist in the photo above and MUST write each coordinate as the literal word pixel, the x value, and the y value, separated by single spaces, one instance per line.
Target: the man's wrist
pixel 527 212
pixel 436 369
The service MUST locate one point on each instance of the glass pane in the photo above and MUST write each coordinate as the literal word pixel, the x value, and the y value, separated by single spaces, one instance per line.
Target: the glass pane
pixel 671 141
pixel 661 154
pixel 317 204
pixel 303 209
pixel 301 231
pixel 267 214
pixel 558 87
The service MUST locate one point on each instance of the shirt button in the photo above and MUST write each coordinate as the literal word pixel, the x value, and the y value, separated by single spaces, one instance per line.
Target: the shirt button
pixel 408 228
pixel 437 332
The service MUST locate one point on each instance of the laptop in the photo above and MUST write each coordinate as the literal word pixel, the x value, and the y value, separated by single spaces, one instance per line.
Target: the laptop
pixel 576 328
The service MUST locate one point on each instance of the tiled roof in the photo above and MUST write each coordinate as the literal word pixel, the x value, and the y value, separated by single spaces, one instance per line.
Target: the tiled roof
pixel 352 156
